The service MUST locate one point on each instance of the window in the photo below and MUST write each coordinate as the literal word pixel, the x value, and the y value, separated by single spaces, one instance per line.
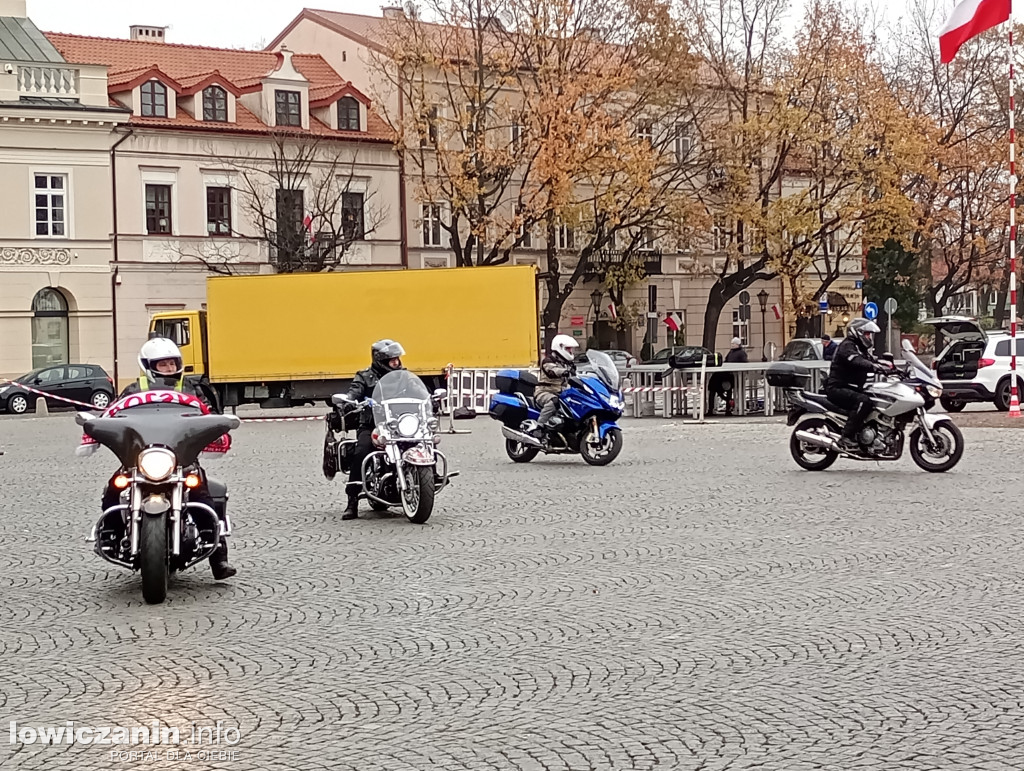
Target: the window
pixel 52 376
pixel 432 224
pixel 681 143
pixel 49 329
pixel 647 240
pixel 215 104
pixel 51 204
pixel 290 239
pixel 348 114
pixel 1003 348
pixel 719 234
pixel 430 118
pixel 516 134
pixel 288 106
pixel 525 235
pixel 154 99
pixel 175 330
pixel 352 216
pixel 645 131
pixel 218 211
pixel 79 373
pixel 740 329
pixel 565 238
pixel 158 209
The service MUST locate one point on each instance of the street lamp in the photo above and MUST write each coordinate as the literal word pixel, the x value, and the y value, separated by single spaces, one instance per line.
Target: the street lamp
pixel 762 297
pixel 595 298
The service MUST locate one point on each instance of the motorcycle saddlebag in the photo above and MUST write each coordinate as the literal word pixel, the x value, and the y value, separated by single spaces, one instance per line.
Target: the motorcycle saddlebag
pixel 784 374
pixel 511 381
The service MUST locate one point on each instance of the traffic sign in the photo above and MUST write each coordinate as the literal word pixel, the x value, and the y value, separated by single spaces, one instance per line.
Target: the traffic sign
pixel 744 298
pixel 744 313
pixel 870 311
pixel 823 304
pixel 891 305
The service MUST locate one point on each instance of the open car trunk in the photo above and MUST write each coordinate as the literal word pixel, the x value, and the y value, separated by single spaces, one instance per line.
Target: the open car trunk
pixel 965 343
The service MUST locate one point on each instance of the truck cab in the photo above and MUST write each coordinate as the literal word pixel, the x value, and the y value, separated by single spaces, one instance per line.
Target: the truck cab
pixel 187 330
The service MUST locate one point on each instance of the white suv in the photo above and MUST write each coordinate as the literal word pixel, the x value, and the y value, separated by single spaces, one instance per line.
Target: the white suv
pixel 975 366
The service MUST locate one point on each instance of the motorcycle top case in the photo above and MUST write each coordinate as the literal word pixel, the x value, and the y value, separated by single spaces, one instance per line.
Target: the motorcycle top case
pixel 784 374
pixel 511 381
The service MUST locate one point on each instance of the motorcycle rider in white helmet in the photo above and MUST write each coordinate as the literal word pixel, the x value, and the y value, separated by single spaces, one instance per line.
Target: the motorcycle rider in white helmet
pixel 555 370
pixel 163 369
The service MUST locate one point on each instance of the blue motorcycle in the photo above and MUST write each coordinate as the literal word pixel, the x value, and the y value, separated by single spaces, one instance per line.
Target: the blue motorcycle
pixel 585 420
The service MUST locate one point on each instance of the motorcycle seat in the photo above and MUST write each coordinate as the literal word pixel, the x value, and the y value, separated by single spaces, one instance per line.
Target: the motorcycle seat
pixel 822 399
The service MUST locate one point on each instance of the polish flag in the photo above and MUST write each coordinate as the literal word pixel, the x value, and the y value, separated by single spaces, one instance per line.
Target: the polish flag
pixel 612 312
pixel 777 311
pixel 970 18
pixel 674 321
pixel 307 222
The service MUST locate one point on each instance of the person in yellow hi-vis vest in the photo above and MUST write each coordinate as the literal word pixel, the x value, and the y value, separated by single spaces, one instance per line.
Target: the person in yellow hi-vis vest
pixel 163 369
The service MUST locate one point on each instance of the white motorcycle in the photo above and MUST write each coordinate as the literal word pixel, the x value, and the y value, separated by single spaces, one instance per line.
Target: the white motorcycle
pixel 901 401
pixel 406 469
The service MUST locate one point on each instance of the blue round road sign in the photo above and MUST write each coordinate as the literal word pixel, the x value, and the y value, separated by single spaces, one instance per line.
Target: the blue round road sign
pixel 870 311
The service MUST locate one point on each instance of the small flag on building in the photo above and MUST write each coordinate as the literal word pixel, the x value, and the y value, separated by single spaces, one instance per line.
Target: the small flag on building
pixel 612 312
pixel 777 311
pixel 307 223
pixel 674 321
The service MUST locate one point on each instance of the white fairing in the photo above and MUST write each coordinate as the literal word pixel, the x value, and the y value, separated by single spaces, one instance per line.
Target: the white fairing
pixel 894 399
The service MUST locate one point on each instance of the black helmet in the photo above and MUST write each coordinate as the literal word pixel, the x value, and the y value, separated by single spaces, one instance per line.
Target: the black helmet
pixel 383 351
pixel 862 331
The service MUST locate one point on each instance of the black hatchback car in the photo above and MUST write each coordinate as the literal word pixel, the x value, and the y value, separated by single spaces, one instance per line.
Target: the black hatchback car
pixel 82 382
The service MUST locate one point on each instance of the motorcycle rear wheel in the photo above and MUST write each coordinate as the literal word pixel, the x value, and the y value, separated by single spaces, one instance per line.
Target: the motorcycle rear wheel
pixel 153 558
pixel 418 498
pixel 520 452
pixel 809 457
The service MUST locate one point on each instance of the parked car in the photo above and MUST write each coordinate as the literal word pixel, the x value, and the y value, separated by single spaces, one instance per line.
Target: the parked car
pixel 974 366
pixel 620 358
pixel 803 349
pixel 81 382
pixel 691 356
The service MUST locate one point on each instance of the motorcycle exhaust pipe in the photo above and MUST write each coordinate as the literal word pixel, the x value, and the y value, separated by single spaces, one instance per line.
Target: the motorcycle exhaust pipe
pixel 817 440
pixel 519 436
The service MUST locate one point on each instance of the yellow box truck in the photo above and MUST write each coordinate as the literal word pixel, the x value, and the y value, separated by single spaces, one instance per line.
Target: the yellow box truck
pixel 282 340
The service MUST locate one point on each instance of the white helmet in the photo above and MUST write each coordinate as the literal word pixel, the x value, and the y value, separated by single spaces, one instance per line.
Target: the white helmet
pixel 156 350
pixel 563 346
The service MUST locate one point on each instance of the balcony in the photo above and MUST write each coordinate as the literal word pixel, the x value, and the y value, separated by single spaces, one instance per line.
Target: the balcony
pixel 600 262
pixel 48 81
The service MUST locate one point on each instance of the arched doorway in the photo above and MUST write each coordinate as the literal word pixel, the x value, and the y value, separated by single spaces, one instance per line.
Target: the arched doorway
pixel 49 328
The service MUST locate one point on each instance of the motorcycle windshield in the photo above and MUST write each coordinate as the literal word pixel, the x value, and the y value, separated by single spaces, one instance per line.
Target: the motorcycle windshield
pixel 604 368
pixel 184 430
pixel 920 370
pixel 398 393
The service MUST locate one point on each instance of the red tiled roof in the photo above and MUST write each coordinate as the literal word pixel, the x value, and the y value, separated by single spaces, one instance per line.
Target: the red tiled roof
pixel 184 67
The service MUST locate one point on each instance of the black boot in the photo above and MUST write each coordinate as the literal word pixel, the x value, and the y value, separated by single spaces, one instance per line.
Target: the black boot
pixel 352 510
pixel 219 562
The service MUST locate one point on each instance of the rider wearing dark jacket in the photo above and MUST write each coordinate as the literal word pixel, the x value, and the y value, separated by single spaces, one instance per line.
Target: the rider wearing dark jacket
pixel 851 365
pixel 385 357
pixel 162 368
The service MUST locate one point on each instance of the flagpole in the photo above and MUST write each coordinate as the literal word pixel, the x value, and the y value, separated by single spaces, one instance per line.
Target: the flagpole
pixel 1014 396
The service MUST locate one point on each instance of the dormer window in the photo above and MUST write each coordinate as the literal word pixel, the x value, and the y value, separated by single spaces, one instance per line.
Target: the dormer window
pixel 288 108
pixel 215 104
pixel 348 114
pixel 154 99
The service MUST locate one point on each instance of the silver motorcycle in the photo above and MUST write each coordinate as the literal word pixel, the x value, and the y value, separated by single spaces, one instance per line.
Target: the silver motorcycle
pixel 901 402
pixel 406 469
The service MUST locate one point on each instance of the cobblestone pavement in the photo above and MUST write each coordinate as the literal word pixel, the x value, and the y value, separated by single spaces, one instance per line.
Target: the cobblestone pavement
pixel 699 604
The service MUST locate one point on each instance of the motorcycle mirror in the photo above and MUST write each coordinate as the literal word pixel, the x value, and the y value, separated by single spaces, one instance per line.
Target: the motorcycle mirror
pixel 440 393
pixel 907 345
pixel 340 399
pixel 81 418
pixel 888 356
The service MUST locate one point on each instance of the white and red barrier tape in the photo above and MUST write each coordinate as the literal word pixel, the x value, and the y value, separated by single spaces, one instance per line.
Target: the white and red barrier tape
pixel 657 389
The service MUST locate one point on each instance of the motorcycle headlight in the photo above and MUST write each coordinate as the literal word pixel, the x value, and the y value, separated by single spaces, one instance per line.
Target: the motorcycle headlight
pixel 157 463
pixel 408 425
pixel 934 391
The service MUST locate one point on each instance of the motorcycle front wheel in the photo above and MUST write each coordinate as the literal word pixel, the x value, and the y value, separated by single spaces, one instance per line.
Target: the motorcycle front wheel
pixel 153 558
pixel 946 453
pixel 808 456
pixel 605 451
pixel 418 497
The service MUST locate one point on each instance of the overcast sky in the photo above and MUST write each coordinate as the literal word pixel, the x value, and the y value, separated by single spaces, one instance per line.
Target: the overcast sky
pixel 232 23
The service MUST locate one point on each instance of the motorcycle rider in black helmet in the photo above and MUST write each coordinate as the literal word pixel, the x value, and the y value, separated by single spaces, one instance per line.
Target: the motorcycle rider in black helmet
pixel 385 357
pixel 852 363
